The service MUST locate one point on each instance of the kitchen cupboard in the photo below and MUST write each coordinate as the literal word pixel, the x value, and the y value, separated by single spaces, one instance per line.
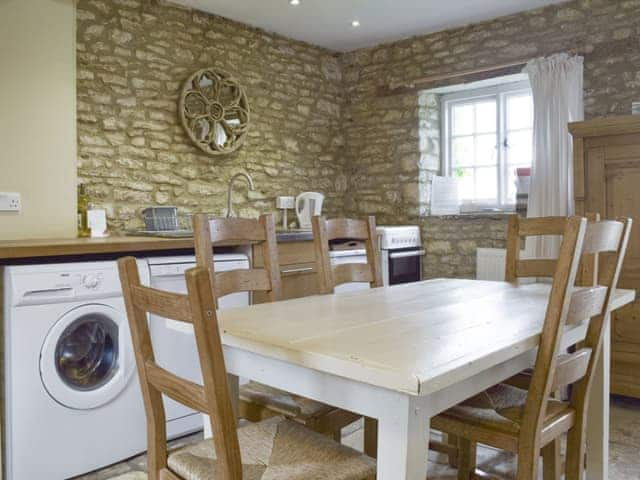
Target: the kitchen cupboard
pixel 298 268
pixel 607 180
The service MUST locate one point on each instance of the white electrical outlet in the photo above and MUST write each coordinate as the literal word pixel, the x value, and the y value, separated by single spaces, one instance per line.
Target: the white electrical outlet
pixel 284 202
pixel 10 202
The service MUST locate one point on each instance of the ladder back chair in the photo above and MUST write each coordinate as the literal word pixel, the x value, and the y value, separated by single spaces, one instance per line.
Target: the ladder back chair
pixel 257 401
pixel 276 448
pixel 520 228
pixel 530 422
pixel 209 232
pixel 325 231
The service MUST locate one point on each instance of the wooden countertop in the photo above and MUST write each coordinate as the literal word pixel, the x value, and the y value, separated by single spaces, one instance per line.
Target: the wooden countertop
pixel 16 249
pixel 68 247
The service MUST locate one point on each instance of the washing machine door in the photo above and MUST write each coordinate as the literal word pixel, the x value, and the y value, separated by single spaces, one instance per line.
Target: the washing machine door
pixel 87 357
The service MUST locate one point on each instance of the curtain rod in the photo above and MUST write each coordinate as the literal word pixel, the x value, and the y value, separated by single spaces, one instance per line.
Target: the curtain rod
pixel 394 88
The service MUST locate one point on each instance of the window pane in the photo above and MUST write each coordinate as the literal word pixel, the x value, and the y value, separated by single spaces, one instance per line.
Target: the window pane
pixel 486 152
pixel 519 111
pixel 520 146
pixel 487 184
pixel 465 183
pixel 462 151
pixel 462 119
pixel 511 181
pixel 486 116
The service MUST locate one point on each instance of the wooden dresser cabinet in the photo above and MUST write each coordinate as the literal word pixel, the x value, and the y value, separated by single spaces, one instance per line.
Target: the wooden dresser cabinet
pixel 607 180
pixel 298 269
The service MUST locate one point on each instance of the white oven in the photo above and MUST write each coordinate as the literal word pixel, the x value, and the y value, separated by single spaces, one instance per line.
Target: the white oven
pixel 401 252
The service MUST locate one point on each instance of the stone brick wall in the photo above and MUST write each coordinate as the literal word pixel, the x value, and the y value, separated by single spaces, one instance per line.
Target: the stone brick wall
pixel 133 57
pixel 387 158
pixel 318 120
pixel 451 242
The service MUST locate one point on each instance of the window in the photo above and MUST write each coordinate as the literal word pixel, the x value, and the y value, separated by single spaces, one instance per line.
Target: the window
pixel 487 135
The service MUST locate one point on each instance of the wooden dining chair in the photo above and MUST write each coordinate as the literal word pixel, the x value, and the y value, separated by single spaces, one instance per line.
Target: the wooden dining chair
pixel 329 276
pixel 325 231
pixel 519 229
pixel 277 448
pixel 530 422
pixel 257 401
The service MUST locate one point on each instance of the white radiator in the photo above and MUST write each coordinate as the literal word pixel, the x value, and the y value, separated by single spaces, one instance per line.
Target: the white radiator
pixel 490 264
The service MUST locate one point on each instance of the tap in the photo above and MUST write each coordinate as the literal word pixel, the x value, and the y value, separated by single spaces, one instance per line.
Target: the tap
pixel 246 176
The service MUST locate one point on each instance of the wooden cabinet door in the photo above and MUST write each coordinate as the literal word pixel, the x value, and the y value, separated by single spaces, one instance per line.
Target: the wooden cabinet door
pixel 298 269
pixel 612 187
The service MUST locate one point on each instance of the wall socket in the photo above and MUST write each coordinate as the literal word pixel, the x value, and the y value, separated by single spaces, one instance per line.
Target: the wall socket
pixel 284 202
pixel 10 202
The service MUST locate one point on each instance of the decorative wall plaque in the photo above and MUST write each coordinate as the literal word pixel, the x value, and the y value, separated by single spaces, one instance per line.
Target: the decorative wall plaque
pixel 214 111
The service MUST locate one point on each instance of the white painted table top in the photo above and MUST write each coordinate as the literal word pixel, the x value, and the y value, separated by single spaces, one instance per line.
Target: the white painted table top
pixel 415 338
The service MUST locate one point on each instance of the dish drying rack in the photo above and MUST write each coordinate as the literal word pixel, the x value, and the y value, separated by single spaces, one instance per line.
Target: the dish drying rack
pixel 165 222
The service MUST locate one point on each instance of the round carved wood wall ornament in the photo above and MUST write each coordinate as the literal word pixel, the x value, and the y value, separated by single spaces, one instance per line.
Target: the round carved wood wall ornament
pixel 214 111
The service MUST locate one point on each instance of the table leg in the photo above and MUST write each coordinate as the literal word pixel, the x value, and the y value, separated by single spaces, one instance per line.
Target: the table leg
pixel 403 442
pixel 598 423
pixel 234 392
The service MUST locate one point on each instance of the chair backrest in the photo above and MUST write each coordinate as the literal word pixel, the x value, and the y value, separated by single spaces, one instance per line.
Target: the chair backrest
pixel 570 304
pixel 209 232
pixel 330 276
pixel 520 228
pixel 197 307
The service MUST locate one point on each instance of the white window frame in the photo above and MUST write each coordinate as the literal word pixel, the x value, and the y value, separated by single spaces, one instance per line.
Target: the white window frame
pixel 499 92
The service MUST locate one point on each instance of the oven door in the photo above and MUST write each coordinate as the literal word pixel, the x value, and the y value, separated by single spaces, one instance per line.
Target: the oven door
pixel 405 265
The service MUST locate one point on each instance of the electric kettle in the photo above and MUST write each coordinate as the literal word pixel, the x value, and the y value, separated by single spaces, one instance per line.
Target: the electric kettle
pixel 308 205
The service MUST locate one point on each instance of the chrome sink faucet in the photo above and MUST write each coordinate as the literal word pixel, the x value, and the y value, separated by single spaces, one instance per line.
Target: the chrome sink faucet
pixel 246 176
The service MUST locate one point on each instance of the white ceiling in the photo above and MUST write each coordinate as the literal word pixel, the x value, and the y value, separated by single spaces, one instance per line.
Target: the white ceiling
pixel 328 22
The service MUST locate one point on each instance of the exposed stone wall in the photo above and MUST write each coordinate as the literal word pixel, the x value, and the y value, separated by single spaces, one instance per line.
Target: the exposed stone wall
pixel 451 242
pixel 318 120
pixel 133 57
pixel 386 158
pixel 429 133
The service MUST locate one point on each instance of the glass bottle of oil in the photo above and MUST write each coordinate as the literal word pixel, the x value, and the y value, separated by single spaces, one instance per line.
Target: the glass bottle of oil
pixel 83 206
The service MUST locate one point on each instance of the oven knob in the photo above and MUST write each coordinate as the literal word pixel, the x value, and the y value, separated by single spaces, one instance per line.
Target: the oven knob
pixel 90 281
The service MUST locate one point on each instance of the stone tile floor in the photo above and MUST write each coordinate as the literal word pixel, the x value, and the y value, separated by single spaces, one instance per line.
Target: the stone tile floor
pixel 624 461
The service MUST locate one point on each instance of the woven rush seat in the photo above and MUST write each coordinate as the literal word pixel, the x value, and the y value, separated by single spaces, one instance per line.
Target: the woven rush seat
pixel 500 408
pixel 284 403
pixel 276 449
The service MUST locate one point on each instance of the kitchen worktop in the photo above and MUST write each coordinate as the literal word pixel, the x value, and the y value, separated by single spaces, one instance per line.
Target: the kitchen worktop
pixel 57 247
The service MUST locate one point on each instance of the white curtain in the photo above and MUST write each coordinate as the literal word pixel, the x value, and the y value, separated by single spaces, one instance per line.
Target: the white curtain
pixel 557 86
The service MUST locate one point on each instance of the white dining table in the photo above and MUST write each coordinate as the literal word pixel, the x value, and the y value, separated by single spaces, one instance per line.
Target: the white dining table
pixel 403 354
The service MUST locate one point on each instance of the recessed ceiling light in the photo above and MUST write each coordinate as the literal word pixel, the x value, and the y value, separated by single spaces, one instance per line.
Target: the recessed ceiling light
pixel 294 2
pixel 355 23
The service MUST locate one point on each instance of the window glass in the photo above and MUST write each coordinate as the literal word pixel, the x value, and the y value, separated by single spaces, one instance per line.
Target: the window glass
pixel 463 119
pixel 489 136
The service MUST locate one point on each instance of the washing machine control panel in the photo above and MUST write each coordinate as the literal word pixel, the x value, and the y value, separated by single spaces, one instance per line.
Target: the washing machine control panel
pixel 66 282
pixel 91 280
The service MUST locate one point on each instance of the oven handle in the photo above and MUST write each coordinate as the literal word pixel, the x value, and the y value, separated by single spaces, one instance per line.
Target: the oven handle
pixel 411 253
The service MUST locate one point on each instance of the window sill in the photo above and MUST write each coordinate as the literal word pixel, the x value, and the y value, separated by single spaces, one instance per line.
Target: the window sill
pixel 498 214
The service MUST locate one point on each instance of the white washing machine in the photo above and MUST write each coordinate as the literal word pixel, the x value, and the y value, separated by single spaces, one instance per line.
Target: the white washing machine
pixel 174 342
pixel 72 397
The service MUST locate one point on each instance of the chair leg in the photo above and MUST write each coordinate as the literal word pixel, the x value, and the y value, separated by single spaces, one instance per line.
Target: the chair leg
pixel 337 435
pixel 371 437
pixel 452 440
pixel 466 458
pixel 552 461
pixel 528 459
pixel 576 451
